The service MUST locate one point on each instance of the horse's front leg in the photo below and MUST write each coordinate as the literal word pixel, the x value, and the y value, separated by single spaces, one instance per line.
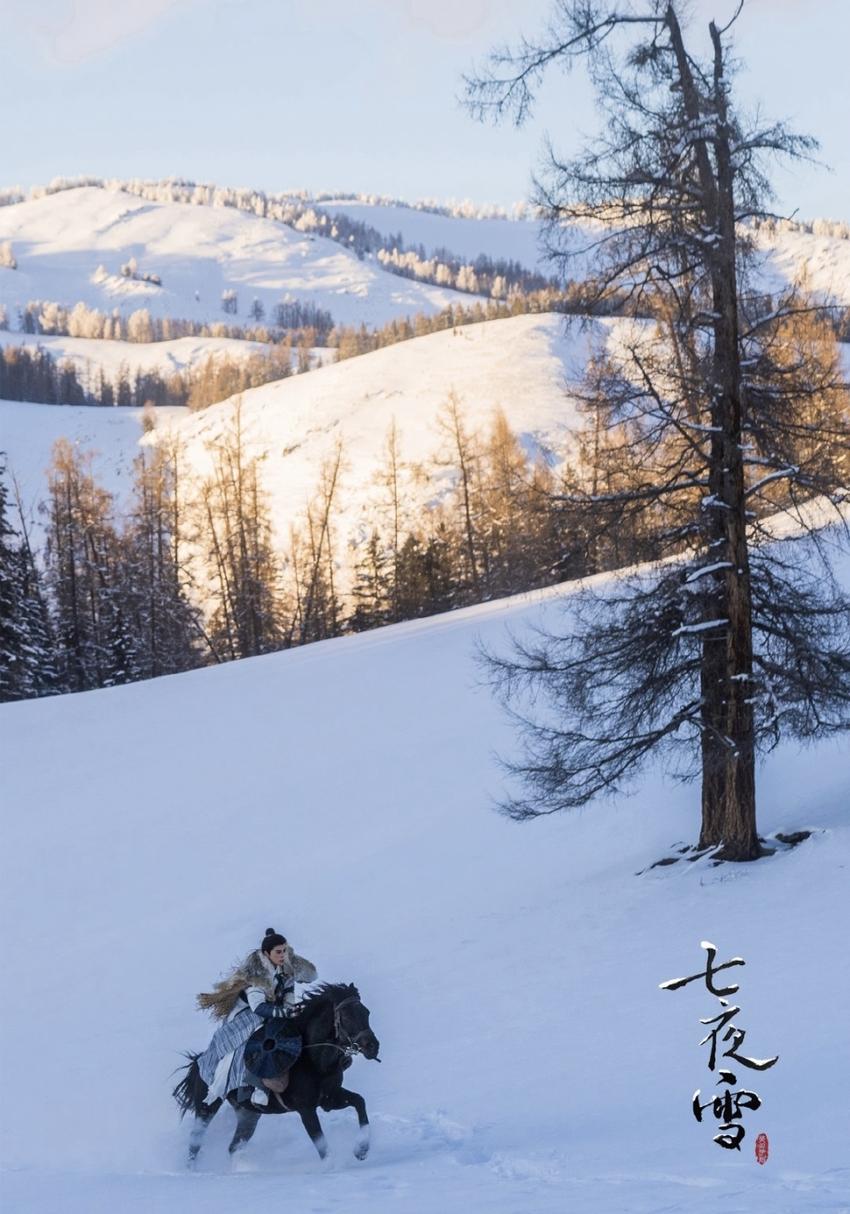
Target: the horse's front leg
pixel 343 1098
pixel 311 1123
pixel 199 1129
pixel 246 1123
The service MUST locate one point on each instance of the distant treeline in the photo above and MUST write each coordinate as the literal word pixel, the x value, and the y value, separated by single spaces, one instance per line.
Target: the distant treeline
pixel 33 375
pixel 291 321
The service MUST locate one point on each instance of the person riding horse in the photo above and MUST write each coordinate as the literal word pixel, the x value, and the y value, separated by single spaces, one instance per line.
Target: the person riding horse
pixel 259 991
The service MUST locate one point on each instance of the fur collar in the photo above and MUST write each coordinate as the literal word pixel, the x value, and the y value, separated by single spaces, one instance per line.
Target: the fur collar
pixel 256 970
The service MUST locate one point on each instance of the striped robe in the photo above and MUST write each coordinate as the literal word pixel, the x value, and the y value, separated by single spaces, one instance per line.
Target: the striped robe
pixel 222 1064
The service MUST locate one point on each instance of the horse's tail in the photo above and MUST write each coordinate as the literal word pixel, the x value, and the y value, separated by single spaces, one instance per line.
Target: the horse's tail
pixel 191 1089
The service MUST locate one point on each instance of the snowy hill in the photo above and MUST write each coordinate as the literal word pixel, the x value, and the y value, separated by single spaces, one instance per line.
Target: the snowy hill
pixel 71 245
pixel 787 252
pixel 521 365
pixel 341 792
pixel 505 239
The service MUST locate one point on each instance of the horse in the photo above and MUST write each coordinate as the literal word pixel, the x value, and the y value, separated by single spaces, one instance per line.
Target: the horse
pixel 333 1025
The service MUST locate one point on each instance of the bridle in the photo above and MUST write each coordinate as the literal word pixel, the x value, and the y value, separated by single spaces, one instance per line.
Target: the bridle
pixel 350 1048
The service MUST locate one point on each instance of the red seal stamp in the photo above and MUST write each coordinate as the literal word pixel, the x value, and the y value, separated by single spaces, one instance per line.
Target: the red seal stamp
pixel 762 1148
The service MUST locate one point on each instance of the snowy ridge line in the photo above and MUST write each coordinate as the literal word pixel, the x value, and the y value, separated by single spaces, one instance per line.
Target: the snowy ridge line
pixel 520 210
pixel 453 208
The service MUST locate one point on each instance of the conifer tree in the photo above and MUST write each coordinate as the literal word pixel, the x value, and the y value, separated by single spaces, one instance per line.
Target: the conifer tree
pixel 95 645
pixel 27 657
pixel 166 625
pixel 372 591
pixel 733 642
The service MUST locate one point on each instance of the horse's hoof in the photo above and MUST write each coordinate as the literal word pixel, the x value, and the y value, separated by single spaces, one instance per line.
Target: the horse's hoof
pixel 361 1152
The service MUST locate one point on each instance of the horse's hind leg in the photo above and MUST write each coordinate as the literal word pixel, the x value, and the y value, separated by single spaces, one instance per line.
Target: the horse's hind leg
pixel 343 1099
pixel 199 1129
pixel 246 1123
pixel 311 1123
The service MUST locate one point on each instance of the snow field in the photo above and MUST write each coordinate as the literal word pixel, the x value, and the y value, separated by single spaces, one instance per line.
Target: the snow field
pixel 342 793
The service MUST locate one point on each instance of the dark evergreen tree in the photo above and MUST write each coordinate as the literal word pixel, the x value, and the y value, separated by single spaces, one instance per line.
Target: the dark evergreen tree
pixel 373 586
pixel 95 645
pixel 27 643
pixel 167 628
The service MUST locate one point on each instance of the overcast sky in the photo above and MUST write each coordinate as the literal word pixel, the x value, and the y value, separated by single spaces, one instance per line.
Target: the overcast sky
pixel 357 95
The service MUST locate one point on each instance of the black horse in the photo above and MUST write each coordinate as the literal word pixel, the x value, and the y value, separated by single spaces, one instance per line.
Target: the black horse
pixel 333 1025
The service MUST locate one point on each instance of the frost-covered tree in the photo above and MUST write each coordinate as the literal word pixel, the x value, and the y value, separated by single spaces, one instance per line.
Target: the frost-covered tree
pixel 139 326
pixel 718 415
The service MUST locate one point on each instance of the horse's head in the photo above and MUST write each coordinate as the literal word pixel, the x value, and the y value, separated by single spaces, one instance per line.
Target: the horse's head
pixel 351 1019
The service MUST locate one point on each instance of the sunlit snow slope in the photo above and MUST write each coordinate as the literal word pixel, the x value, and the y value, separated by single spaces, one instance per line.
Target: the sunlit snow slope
pixel 341 793
pixel 521 365
pixel 60 242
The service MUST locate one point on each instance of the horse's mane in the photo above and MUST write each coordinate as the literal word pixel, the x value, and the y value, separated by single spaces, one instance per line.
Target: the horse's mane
pixel 325 992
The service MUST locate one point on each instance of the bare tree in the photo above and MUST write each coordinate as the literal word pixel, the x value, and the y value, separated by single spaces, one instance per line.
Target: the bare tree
pixel 729 641
pixel 464 456
pixel 234 525
pixel 313 561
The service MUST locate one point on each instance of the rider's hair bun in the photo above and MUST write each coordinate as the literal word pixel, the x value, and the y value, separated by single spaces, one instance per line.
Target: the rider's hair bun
pixel 270 931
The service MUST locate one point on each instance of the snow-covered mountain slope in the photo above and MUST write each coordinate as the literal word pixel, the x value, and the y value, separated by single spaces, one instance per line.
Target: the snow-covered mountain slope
pixel 60 242
pixel 341 793
pixel 786 253
pixel 521 365
pixel 499 239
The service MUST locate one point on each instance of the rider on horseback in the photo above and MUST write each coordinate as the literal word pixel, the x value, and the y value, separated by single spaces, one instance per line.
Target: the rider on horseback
pixel 260 990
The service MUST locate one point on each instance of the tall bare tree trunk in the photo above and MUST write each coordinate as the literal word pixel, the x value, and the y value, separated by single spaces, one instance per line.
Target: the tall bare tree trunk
pixel 728 744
